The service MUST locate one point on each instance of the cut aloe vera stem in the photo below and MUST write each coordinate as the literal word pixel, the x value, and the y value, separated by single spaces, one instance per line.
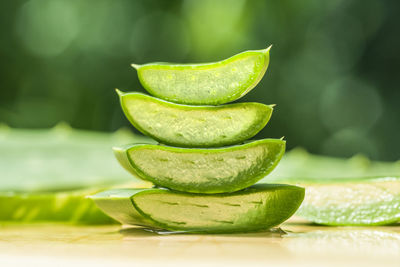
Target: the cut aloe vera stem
pixel 207 170
pixel 256 208
pixel 68 206
pixel 205 84
pixel 194 126
pixel 368 201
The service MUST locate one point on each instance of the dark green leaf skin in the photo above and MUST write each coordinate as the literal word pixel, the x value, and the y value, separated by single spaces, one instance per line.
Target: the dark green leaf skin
pixel 256 208
pixel 202 170
pixel 205 84
pixel 194 126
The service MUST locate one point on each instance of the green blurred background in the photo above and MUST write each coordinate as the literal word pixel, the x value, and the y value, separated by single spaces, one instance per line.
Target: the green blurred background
pixel 333 72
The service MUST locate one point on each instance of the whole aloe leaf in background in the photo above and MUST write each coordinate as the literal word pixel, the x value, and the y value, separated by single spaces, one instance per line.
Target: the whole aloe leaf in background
pixel 60 159
pixel 45 175
pixel 354 191
pixel 298 164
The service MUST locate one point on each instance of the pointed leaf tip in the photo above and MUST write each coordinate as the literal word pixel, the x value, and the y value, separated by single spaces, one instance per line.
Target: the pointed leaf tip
pixel 135 66
pixel 267 49
pixel 117 149
pixel 120 93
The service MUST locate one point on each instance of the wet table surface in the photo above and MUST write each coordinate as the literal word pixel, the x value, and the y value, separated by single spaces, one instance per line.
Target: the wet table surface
pixel 295 243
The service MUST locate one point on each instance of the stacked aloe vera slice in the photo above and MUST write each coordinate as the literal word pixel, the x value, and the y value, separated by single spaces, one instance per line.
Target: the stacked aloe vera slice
pixel 203 169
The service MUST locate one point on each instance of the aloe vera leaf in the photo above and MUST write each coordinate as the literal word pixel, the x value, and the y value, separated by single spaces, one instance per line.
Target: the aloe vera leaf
pixel 207 170
pixel 60 159
pixel 205 84
pixel 194 126
pixel 256 208
pixel 117 203
pixel 332 177
pixel 299 164
pixel 352 201
pixel 66 207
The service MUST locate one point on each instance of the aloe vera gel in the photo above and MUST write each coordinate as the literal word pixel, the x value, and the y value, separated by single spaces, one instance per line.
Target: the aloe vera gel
pixel 216 170
pixel 204 172
pixel 194 126
pixel 358 202
pixel 205 84
pixel 258 207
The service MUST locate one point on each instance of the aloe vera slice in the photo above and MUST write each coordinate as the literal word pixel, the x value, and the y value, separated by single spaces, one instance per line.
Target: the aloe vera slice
pixel 258 207
pixel 205 84
pixel 367 201
pixel 207 170
pixel 194 126
pixel 66 206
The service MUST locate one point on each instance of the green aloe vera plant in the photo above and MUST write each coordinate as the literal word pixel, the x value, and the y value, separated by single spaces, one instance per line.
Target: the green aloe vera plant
pixel 256 208
pixel 208 83
pixel 206 170
pixel 194 126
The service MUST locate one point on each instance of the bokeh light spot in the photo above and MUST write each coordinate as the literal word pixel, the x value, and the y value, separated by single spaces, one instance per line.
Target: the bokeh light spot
pixel 350 103
pixel 214 24
pixel 348 142
pixel 107 27
pixel 164 29
pixel 47 27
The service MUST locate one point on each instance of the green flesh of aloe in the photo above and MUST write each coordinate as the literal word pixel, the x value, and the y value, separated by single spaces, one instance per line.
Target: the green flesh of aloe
pixel 366 201
pixel 208 186
pixel 256 208
pixel 194 126
pixel 205 84
pixel 207 170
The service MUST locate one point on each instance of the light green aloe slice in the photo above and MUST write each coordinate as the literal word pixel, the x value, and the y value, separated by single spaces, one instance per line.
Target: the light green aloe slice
pixel 256 208
pixel 207 170
pixel 363 201
pixel 194 126
pixel 66 207
pixel 205 84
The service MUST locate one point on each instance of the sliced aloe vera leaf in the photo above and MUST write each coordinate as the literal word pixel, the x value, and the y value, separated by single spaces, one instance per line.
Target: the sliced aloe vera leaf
pixel 117 203
pixel 363 201
pixel 206 170
pixel 258 207
pixel 66 206
pixel 205 84
pixel 194 126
